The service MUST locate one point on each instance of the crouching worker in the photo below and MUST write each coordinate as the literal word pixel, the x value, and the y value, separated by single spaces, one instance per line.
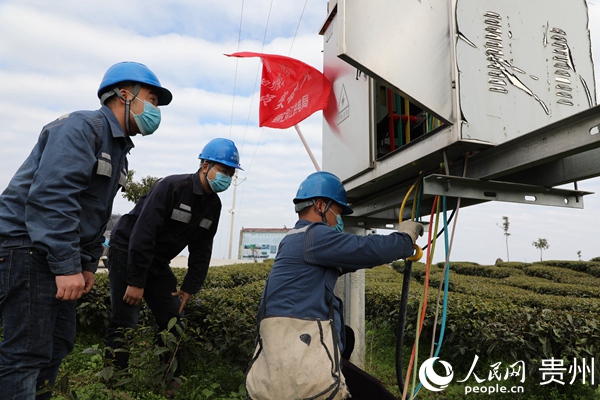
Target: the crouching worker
pixel 299 350
pixel 178 211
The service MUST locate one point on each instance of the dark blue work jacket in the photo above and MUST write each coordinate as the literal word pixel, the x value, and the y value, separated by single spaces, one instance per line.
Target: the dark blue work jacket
pixel 175 213
pixel 310 259
pixel 61 197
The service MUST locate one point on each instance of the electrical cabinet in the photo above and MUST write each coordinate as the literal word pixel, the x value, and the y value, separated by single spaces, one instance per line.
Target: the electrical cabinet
pixel 415 81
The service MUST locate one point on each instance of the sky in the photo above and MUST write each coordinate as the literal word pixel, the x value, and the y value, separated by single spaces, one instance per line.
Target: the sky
pixel 53 56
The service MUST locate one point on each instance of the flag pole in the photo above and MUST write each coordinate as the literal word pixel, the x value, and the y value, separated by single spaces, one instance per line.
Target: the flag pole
pixel 310 154
pixel 235 178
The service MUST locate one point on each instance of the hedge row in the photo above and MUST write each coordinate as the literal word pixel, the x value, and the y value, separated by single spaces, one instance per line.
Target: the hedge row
pixel 519 311
pixel 522 311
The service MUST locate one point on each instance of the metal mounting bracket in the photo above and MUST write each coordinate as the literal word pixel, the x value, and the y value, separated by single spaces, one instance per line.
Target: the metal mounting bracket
pixel 454 186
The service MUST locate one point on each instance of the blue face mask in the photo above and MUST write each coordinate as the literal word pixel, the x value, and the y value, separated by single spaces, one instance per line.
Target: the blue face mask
pixel 149 120
pixel 220 183
pixel 340 222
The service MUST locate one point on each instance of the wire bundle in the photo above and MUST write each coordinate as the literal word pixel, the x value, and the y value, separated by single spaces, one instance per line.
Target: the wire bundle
pixel 443 288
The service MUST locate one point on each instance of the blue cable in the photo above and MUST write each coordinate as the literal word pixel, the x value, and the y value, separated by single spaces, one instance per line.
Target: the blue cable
pixel 446 284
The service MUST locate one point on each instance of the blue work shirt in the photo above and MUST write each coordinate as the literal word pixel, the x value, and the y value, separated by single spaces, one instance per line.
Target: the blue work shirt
pixel 61 197
pixel 309 261
pixel 175 213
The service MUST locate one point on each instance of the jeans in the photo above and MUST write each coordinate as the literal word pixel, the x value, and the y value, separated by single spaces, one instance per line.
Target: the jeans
pixel 157 294
pixel 39 330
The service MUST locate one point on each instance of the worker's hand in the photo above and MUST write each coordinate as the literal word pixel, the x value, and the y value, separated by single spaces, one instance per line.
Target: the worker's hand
pixel 184 298
pixel 412 228
pixel 69 287
pixel 88 277
pixel 133 295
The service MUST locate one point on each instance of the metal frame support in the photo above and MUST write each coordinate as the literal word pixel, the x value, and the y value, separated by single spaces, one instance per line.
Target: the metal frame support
pixel 479 189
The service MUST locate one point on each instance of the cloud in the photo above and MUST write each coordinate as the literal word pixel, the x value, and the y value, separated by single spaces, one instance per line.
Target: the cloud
pixel 54 54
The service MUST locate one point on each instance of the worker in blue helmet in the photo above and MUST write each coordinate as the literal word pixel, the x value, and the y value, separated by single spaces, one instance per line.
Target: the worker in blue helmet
pixel 179 211
pixel 223 154
pixel 52 217
pixel 134 93
pixel 300 287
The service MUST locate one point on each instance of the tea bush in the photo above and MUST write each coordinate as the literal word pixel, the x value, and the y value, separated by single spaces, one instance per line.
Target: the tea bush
pixel 529 312
pixel 517 311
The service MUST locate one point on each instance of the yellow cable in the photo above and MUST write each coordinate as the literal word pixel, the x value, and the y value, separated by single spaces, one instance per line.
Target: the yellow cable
pixel 404 202
pixel 406 196
pixel 419 252
pixel 413 215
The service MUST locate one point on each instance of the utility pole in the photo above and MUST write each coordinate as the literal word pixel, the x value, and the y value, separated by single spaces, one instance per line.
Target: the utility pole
pixel 232 211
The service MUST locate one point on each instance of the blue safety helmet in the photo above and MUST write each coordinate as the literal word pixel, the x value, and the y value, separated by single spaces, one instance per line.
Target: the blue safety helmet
pixel 222 151
pixel 129 71
pixel 322 185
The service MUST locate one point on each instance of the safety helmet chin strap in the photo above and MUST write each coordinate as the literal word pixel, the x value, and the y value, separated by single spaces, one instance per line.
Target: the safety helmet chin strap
pixel 210 165
pixel 117 91
pixel 324 212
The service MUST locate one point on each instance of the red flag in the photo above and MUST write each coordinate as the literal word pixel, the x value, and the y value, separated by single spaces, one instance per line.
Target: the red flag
pixel 290 90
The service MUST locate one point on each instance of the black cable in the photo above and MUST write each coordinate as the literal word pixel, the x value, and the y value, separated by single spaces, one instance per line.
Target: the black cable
pixel 401 323
pixel 442 230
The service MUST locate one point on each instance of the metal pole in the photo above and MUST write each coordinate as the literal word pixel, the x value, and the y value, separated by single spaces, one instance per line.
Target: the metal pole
pixel 310 154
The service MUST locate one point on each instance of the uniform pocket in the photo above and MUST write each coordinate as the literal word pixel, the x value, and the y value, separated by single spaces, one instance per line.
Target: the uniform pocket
pixel 181 216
